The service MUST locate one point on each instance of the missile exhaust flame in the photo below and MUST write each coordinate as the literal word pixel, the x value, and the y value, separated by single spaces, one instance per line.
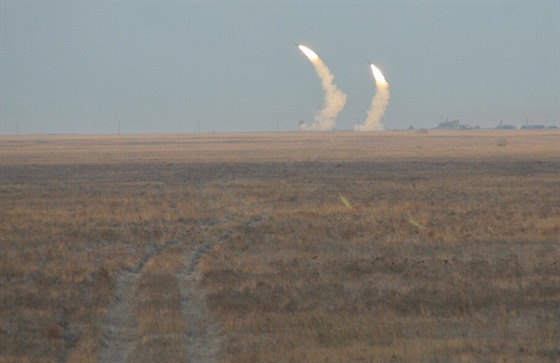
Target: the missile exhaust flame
pixel 335 99
pixel 378 104
pixel 377 74
pixel 308 53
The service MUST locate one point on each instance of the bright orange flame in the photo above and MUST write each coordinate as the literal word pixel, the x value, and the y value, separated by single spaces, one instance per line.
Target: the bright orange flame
pixel 308 52
pixel 377 74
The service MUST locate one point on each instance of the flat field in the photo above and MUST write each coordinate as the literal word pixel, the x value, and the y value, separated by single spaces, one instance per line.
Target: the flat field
pixel 281 247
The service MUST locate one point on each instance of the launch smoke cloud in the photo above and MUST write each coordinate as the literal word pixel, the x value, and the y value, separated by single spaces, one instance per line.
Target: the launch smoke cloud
pixel 335 99
pixel 378 104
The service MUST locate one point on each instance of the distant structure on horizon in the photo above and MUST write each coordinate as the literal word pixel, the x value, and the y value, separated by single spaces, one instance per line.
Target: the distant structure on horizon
pixel 501 126
pixel 454 125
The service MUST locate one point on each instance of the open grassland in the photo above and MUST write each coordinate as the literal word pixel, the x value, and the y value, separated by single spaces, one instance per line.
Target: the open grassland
pixel 294 247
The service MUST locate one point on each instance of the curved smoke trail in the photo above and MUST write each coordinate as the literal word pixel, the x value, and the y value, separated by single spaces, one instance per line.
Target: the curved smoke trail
pixel 335 99
pixel 378 104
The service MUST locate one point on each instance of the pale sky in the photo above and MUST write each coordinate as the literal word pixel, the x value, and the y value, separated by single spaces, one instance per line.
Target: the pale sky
pixel 175 66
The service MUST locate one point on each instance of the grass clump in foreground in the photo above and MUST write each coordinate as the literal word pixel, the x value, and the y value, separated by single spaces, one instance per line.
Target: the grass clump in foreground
pixel 444 246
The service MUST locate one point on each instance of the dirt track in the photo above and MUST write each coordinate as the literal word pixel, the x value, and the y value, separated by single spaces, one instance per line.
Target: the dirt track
pixel 202 341
pixel 121 338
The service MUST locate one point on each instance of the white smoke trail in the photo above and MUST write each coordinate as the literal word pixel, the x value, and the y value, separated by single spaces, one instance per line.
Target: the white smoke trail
pixel 378 104
pixel 335 99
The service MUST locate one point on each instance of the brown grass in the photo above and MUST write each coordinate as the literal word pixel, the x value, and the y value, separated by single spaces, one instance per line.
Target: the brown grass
pixel 448 248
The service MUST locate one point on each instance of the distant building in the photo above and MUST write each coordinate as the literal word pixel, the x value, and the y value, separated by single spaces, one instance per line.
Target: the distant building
pixel 506 127
pixel 453 125
pixel 533 127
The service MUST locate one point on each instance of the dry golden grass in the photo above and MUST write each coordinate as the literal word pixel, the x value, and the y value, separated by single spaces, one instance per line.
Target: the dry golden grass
pixel 443 247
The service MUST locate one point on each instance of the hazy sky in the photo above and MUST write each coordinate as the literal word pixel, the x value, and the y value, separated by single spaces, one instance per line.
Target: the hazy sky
pixel 169 66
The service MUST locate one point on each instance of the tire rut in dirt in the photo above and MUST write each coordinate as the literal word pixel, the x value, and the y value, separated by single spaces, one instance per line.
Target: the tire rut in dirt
pixel 202 338
pixel 120 335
